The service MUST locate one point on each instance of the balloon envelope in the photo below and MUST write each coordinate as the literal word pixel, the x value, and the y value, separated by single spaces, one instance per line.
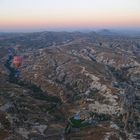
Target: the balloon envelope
pixel 17 61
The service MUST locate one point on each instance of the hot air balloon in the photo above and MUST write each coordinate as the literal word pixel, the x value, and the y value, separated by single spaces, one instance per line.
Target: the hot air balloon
pixel 17 61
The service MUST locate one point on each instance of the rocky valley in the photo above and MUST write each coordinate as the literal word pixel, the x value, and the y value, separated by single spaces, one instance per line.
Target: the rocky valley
pixel 65 76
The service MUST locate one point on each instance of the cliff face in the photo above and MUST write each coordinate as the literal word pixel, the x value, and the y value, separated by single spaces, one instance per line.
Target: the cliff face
pixel 93 75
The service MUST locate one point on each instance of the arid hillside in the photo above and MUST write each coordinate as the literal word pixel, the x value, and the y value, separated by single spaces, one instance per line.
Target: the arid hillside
pixel 83 86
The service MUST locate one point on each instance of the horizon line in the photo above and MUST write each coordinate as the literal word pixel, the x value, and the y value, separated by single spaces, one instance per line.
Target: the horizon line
pixel 32 30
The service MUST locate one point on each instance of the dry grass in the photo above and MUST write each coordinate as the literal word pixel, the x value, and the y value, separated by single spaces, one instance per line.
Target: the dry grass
pixel 3 134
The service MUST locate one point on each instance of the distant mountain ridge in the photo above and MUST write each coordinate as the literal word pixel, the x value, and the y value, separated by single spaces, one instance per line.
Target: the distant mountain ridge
pixel 107 32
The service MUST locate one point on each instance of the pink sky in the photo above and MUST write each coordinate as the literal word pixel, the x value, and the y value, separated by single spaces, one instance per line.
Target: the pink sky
pixel 69 14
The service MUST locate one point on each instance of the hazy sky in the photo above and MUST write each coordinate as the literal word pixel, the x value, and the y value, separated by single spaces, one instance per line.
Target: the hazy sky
pixel 66 14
